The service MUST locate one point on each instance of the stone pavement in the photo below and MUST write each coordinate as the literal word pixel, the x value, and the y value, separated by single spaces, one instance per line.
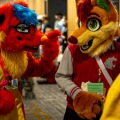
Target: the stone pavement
pixel 49 103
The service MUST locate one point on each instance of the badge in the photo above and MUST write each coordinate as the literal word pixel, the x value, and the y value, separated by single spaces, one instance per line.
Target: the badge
pixel 14 83
pixel 97 88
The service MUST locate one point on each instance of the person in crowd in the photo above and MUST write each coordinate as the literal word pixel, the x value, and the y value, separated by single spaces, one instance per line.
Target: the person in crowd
pixel 92 57
pixel 45 23
pixel 44 27
pixel 58 24
pixel 28 87
pixel 48 29
pixel 39 26
pixel 61 24
pixel 64 35
pixel 28 83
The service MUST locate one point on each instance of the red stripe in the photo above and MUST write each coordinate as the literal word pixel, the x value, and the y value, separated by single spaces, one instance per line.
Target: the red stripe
pixel 73 90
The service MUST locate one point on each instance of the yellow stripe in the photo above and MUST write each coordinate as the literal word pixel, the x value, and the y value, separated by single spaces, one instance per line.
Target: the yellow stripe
pixel 38 113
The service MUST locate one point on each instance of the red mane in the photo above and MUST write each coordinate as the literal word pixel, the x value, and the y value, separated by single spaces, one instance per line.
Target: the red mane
pixel 83 9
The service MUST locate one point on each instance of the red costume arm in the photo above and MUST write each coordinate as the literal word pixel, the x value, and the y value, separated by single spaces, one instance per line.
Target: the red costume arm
pixel 45 64
pixel 37 67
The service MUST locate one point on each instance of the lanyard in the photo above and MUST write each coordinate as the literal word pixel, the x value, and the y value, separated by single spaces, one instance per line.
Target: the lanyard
pixel 104 71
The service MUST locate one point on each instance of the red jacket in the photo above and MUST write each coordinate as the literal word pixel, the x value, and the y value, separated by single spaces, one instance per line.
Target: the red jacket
pixel 86 68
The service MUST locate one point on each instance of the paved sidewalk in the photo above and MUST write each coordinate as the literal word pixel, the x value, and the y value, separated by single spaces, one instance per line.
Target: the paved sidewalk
pixel 49 103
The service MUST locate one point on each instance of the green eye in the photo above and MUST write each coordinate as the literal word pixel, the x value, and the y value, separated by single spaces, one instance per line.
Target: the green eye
pixel 93 24
pixel 22 28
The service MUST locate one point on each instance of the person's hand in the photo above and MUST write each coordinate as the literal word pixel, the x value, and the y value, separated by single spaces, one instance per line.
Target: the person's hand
pixel 87 105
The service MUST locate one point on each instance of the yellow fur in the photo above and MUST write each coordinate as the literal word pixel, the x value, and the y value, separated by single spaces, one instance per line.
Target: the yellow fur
pixel 101 49
pixel 2 36
pixel 15 63
pixel 102 39
pixel 1 74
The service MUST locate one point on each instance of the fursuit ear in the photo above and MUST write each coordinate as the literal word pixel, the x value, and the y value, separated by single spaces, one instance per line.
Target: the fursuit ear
pixel 113 11
pixel 6 11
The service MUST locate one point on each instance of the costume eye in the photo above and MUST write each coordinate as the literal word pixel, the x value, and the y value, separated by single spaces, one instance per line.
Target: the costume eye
pixel 22 28
pixel 93 24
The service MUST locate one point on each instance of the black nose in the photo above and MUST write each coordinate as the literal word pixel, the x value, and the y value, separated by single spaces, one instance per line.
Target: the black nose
pixel 72 40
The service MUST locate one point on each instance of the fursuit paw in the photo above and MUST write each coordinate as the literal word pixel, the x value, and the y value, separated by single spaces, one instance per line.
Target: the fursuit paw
pixel 87 105
pixel 7 102
pixel 51 45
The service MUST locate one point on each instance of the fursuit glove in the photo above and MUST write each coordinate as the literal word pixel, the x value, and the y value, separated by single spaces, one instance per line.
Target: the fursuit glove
pixel 87 105
pixel 51 46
